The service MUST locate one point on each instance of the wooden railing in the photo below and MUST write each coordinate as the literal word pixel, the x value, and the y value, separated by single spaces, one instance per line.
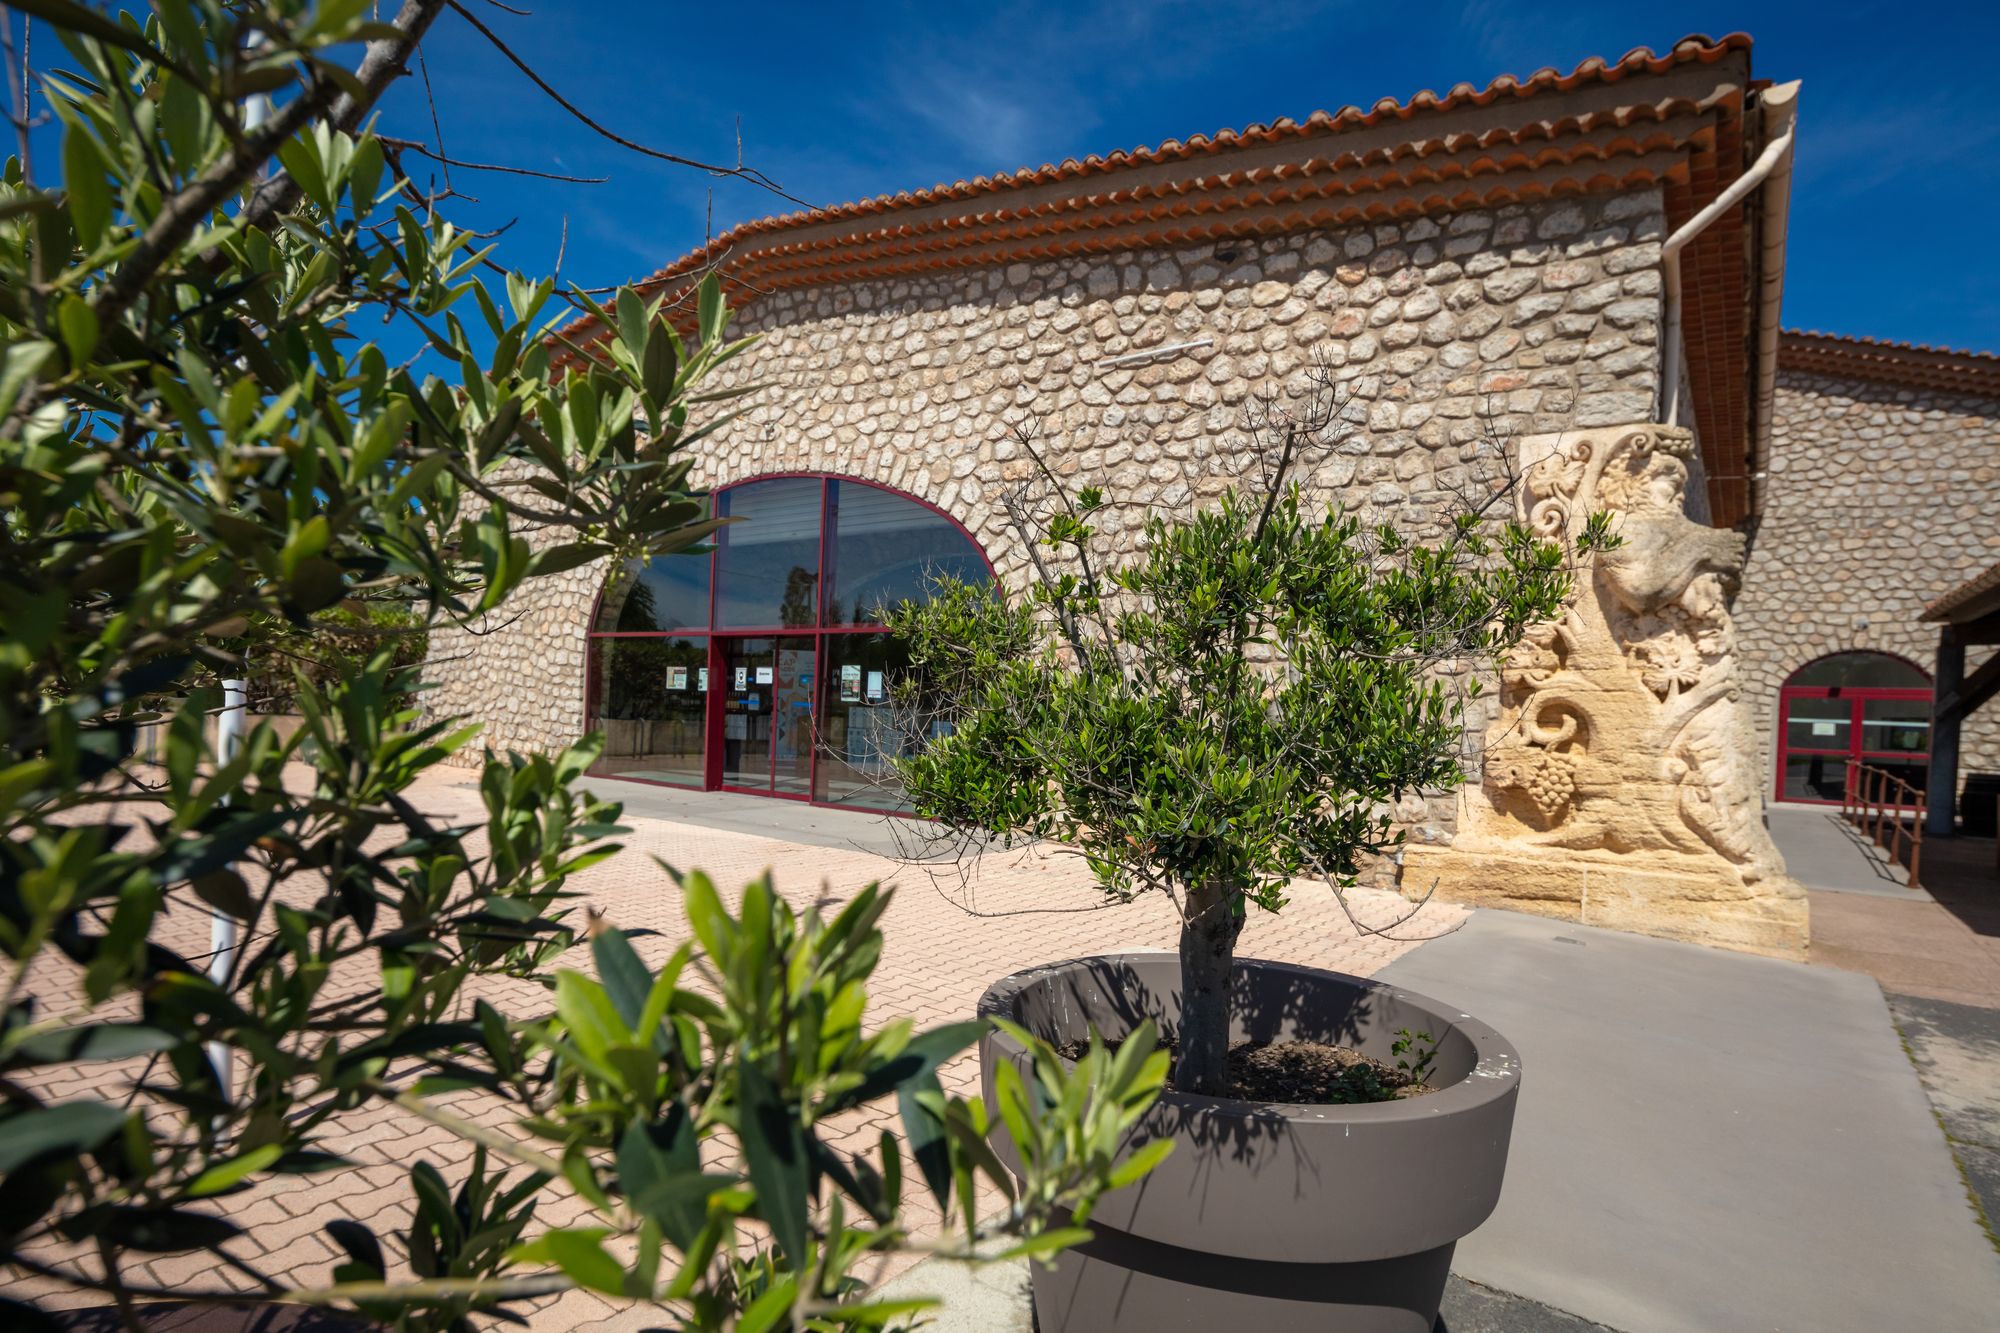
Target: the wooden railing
pixel 1875 803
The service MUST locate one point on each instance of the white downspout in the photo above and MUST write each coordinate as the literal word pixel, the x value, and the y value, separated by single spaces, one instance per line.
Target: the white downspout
pixel 221 925
pixel 1776 152
pixel 1780 107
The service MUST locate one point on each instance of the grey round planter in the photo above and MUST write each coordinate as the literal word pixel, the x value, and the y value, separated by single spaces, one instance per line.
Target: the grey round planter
pixel 1273 1218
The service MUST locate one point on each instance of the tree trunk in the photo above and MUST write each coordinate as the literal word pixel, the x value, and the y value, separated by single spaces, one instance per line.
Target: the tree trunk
pixel 1208 947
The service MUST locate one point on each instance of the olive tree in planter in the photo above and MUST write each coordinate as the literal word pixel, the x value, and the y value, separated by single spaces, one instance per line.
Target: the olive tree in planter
pixel 1238 704
pixel 205 451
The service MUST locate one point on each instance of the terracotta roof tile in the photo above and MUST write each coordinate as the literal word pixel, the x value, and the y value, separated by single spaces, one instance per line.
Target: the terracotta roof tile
pixel 1639 61
pixel 1644 119
pixel 1913 365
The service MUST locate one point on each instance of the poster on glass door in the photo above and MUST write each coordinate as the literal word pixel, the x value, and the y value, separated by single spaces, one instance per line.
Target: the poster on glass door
pixel 850 684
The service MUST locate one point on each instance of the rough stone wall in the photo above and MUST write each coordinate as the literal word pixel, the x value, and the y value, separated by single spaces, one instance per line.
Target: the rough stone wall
pixel 1447 332
pixel 1878 500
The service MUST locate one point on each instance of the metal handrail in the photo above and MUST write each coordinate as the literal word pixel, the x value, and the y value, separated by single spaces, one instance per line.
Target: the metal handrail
pixel 1874 801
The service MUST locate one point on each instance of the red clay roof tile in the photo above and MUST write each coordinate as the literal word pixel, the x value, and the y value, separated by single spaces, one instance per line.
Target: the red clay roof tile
pixel 1914 365
pixel 1684 136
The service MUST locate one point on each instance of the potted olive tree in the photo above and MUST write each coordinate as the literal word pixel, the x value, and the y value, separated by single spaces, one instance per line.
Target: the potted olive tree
pixel 1236 706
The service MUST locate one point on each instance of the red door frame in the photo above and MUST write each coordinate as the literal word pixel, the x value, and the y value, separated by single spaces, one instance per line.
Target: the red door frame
pixel 1857 696
pixel 818 632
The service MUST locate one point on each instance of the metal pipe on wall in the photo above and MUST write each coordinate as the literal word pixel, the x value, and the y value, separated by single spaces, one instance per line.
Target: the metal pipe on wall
pixel 221 925
pixel 1777 153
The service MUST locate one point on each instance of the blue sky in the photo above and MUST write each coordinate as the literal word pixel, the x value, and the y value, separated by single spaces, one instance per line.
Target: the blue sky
pixel 1895 203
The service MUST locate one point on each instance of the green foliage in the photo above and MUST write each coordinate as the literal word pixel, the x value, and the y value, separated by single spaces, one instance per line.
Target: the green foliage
pixel 1414 1052
pixel 207 456
pixel 1240 704
pixel 339 642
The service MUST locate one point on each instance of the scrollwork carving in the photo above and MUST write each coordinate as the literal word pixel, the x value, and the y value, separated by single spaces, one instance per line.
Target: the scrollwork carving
pixel 1620 727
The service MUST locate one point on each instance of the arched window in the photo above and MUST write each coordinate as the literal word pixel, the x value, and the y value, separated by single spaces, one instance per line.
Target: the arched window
pixel 1849 709
pixel 760 664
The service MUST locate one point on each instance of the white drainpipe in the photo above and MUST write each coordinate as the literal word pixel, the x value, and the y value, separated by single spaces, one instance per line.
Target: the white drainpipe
pixel 1778 103
pixel 221 925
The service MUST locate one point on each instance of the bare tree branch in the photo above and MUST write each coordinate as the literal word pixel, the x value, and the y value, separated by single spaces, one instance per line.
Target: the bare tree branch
pixel 424 150
pixel 181 214
pixel 739 171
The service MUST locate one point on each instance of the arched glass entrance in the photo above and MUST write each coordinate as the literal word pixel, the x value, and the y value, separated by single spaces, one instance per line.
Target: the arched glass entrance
pixel 1847 709
pixel 762 667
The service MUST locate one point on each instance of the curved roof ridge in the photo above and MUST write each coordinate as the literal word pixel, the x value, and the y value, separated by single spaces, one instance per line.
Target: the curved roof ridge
pixel 1694 48
pixel 1890 345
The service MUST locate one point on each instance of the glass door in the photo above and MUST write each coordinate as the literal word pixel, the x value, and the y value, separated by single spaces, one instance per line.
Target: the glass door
pixel 748 684
pixel 766 690
pixel 1825 732
pixel 792 717
pixel 1819 737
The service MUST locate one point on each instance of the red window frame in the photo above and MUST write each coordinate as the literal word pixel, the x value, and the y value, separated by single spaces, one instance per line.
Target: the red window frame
pixel 818 632
pixel 1858 697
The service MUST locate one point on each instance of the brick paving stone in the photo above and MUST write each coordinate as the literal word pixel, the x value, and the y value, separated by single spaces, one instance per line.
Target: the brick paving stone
pixel 950 932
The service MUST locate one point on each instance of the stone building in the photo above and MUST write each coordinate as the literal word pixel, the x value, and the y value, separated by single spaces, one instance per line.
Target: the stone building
pixel 1882 494
pixel 1570 276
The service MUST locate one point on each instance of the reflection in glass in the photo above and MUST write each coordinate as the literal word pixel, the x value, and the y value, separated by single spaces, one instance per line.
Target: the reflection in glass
pixel 1896 726
pixel 1815 777
pixel 886 548
pixel 646 698
pixel 858 732
pixel 1861 670
pixel 1819 724
pixel 668 592
pixel 746 685
pixel 792 717
pixel 768 565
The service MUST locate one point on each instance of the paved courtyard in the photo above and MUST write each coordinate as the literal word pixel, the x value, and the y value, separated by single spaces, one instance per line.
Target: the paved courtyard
pixel 1695 1133
pixel 948 936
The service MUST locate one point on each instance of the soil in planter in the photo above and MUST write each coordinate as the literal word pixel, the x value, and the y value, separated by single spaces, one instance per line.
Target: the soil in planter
pixel 1309 1073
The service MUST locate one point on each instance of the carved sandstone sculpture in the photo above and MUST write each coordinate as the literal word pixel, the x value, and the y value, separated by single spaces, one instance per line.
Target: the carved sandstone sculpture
pixel 1619 787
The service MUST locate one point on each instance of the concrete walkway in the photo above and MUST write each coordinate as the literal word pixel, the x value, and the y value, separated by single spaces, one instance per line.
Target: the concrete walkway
pixel 1823 851
pixel 1709 1141
pixel 1941 941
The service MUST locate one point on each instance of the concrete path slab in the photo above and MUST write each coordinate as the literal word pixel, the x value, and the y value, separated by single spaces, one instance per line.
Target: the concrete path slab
pixel 793 822
pixel 1823 851
pixel 1708 1140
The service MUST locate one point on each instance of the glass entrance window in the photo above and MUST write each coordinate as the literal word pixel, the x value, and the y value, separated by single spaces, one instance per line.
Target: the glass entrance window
pixel 648 696
pixel 767 561
pixel 860 735
pixel 760 664
pixel 887 550
pixel 792 716
pixel 1848 710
